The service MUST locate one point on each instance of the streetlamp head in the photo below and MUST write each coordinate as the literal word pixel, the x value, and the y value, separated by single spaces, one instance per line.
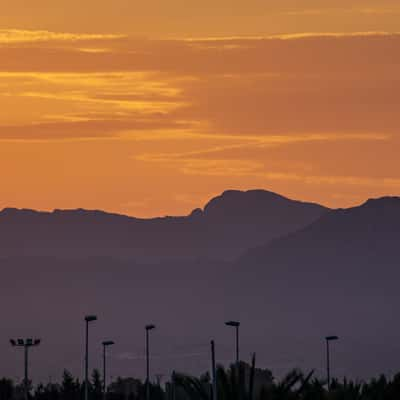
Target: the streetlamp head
pixel 329 338
pixel 108 343
pixel 150 327
pixel 232 323
pixel 90 318
pixel 26 343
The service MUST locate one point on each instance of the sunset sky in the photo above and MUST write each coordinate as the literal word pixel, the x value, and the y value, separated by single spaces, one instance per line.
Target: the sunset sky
pixel 150 108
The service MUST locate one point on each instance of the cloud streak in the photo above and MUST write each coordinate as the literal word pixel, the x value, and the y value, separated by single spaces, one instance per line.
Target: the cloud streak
pixel 200 114
pixel 18 36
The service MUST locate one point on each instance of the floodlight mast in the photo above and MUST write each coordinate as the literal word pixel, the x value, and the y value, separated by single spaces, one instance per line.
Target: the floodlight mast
pixel 26 344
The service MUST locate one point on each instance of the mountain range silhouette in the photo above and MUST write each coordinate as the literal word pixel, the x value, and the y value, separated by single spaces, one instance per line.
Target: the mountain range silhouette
pixel 291 272
pixel 228 225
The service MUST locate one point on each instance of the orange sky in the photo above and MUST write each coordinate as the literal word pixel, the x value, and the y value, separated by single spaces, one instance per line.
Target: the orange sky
pixel 151 108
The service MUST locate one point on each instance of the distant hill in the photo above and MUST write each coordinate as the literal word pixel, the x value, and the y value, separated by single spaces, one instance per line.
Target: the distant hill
pixel 227 226
pixel 340 240
pixel 297 281
pixel 339 275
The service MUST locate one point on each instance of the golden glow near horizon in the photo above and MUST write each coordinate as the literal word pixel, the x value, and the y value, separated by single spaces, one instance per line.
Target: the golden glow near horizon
pixel 151 109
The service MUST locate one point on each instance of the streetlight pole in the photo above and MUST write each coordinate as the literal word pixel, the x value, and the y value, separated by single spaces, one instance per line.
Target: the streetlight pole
pixel 26 344
pixel 328 339
pixel 88 318
pixel 236 325
pixel 105 344
pixel 214 372
pixel 148 329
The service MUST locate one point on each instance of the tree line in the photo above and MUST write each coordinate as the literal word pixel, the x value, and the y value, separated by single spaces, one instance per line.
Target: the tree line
pixel 239 382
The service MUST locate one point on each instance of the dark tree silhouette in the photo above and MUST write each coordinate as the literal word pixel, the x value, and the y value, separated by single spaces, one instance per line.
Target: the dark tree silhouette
pixel 70 387
pixel 6 389
pixel 239 382
pixel 97 385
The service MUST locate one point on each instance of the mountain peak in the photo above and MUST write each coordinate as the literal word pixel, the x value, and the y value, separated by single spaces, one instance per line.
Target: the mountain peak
pixel 387 201
pixel 233 194
pixel 373 209
pixel 237 202
pixel 237 198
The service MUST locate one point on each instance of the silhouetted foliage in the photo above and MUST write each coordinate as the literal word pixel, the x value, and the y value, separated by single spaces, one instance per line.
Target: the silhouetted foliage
pixel 70 387
pixel 6 389
pixel 96 391
pixel 239 382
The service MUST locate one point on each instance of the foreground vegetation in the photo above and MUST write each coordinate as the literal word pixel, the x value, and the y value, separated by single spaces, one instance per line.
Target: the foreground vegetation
pixel 242 382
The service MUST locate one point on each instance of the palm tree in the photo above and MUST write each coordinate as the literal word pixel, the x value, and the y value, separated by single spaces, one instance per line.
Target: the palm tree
pixel 231 383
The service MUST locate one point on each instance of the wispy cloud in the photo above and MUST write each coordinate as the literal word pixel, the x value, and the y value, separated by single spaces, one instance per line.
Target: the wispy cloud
pixel 197 115
pixel 330 11
pixel 384 183
pixel 215 161
pixel 64 104
pixel 13 36
pixel 288 36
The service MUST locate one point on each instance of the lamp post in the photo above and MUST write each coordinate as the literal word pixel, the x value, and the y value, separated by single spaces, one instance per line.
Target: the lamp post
pixel 236 325
pixel 106 343
pixel 214 372
pixel 26 344
pixel 329 339
pixel 148 329
pixel 88 318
